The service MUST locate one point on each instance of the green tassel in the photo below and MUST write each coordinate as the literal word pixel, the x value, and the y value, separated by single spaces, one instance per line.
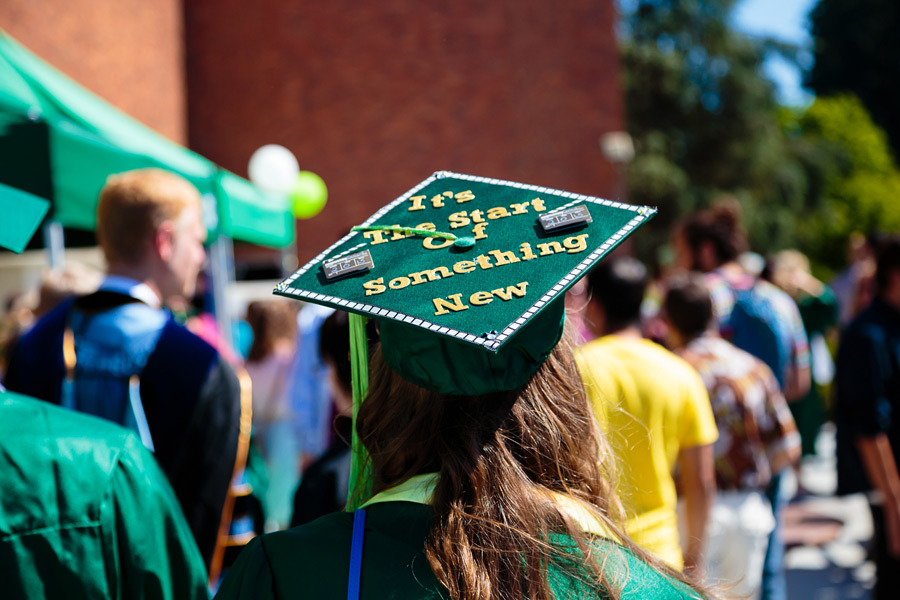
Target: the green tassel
pixel 360 488
pixel 459 242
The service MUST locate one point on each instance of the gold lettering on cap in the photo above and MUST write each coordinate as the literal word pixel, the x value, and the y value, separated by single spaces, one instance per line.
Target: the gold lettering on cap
pixel 463 267
pixel 398 283
pixel 459 219
pixel 416 203
pixel 498 212
pixel 576 243
pixel 527 252
pixel 517 290
pixel 374 286
pixel 433 243
pixel 550 248
pixel 464 196
pixel 443 307
pixel 377 236
pixel 430 275
pixel 484 261
pixel 481 298
pixel 503 258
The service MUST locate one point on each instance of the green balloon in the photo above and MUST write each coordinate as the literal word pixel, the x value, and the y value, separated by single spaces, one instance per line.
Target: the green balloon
pixel 308 196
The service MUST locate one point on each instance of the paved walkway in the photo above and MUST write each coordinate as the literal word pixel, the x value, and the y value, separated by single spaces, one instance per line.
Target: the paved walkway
pixel 827 536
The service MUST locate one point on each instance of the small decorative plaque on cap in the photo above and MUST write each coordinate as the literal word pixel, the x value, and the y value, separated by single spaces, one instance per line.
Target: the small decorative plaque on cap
pixel 566 218
pixel 348 265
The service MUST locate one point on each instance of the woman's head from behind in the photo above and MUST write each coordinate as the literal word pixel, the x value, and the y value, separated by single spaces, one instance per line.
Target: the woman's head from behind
pixel 406 428
pixel 500 458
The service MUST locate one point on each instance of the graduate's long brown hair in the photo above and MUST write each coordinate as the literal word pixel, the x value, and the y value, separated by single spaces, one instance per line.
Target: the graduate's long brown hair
pixel 500 457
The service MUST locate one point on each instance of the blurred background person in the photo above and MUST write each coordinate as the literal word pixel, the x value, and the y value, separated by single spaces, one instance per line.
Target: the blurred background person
pixel 867 415
pixel 194 313
pixel 72 279
pixel 119 355
pixel 18 316
pixel 22 310
pixel 269 362
pixel 854 287
pixel 767 321
pixel 760 319
pixel 819 312
pixel 325 482
pixel 656 413
pixel 310 396
pixel 757 435
pixel 85 511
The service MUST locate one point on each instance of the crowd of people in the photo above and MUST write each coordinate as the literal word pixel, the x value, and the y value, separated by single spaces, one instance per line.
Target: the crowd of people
pixel 645 450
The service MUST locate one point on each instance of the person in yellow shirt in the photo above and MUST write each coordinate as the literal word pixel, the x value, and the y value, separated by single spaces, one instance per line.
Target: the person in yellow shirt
pixel 656 413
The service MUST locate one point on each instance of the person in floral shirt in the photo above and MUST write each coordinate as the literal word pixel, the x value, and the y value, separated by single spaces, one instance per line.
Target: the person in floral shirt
pixel 757 434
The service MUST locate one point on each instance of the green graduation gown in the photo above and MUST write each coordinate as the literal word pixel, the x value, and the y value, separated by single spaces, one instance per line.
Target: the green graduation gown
pixel 86 513
pixel 312 561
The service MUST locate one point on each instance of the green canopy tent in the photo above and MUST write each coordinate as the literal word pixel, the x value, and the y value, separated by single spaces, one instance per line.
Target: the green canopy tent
pixel 60 142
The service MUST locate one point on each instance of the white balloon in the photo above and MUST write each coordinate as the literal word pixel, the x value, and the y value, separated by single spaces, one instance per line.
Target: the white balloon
pixel 274 169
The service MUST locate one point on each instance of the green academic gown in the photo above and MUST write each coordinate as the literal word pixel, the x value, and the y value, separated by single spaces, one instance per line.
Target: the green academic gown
pixel 312 561
pixel 86 513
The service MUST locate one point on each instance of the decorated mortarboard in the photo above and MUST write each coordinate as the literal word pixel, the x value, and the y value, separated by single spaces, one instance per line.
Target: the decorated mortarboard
pixel 466 277
pixel 467 267
pixel 21 214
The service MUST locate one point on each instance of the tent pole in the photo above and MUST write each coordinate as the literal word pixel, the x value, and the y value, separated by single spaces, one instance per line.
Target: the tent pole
pixel 221 266
pixel 55 243
pixel 289 261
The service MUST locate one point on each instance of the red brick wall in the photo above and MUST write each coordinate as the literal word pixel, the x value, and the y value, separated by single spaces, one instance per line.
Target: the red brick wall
pixel 376 96
pixel 129 52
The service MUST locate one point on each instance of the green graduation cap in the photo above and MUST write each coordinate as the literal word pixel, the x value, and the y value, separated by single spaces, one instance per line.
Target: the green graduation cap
pixel 20 216
pixel 466 277
pixel 463 274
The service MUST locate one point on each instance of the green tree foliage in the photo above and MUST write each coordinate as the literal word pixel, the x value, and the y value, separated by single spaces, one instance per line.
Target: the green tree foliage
pixel 704 122
pixel 853 174
pixel 857 49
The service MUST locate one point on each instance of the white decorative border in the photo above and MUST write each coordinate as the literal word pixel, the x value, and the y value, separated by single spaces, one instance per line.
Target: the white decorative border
pixel 347 251
pixel 563 207
pixel 642 213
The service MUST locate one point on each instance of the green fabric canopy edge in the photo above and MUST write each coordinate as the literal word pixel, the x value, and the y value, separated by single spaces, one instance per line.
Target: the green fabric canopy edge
pixel 90 139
